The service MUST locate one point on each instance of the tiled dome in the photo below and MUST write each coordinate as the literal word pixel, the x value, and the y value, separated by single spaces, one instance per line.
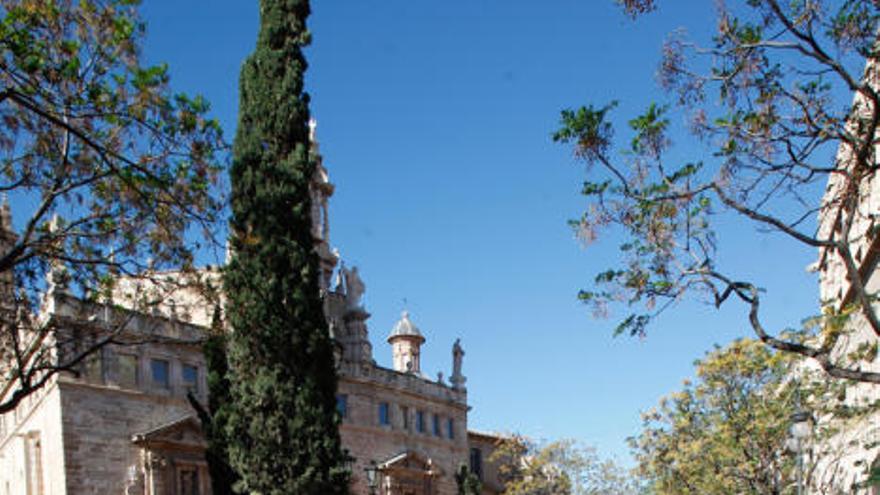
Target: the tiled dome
pixel 405 328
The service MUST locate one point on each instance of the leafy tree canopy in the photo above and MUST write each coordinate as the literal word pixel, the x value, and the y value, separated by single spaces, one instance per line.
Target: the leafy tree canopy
pixel 770 101
pixel 526 467
pixel 729 430
pixel 111 172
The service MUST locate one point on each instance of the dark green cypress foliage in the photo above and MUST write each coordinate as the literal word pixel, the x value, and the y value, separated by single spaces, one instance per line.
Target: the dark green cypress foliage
pixel 282 421
pixel 214 419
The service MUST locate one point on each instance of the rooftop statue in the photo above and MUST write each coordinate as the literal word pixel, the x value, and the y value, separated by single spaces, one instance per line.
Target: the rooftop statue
pixel 354 288
pixel 457 379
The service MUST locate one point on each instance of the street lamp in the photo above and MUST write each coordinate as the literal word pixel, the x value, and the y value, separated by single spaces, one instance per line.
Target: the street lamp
pixel 348 461
pixel 801 428
pixel 371 477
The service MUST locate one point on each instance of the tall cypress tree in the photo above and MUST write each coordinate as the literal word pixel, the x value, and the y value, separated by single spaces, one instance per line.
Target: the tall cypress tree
pixel 214 418
pixel 282 423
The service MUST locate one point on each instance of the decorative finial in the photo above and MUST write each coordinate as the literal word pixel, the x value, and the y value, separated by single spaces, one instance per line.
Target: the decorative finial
pixel 313 134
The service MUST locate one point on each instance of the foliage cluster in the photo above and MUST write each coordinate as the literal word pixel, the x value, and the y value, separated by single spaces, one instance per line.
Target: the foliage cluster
pixel 112 174
pixel 729 430
pixel 771 99
pixel 564 467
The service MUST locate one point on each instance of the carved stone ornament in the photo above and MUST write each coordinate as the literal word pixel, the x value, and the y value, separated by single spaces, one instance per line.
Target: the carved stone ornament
pixel 354 288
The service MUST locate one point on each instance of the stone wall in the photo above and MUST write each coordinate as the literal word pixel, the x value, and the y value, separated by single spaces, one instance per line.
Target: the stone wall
pixel 406 396
pixel 484 446
pixel 843 460
pixel 103 408
pixel 99 423
pixel 31 447
pixel 86 424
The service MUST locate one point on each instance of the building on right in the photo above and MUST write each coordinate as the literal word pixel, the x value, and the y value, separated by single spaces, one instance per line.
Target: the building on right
pixel 846 457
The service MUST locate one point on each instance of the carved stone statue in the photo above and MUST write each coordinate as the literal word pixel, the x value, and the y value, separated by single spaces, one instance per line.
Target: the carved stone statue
pixel 457 354
pixel 339 283
pixel 313 125
pixel 354 288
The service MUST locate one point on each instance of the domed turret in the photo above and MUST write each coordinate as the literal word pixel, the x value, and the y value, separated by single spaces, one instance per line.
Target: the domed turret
pixel 406 340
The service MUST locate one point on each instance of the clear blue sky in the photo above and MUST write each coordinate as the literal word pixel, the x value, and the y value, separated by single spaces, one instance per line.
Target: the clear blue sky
pixel 435 122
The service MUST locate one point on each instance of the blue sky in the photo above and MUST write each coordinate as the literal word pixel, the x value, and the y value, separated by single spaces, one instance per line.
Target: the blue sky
pixel 435 121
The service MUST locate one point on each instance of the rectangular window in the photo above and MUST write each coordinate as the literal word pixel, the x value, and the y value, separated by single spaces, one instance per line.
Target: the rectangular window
pixel 190 378
pixel 420 421
pixel 160 371
pixel 342 405
pixel 450 428
pixel 93 368
pixel 384 418
pixel 188 481
pixel 477 462
pixel 436 425
pixel 33 464
pixel 127 370
pixel 404 415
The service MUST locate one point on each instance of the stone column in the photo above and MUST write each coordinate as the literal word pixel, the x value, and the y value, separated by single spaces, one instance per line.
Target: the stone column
pixel 156 464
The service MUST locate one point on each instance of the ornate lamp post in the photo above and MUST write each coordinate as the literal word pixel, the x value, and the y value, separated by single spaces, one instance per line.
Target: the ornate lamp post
pixel 349 462
pixel 371 471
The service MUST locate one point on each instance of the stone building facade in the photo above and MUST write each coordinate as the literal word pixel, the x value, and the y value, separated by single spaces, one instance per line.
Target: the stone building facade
pixel 844 458
pixel 123 424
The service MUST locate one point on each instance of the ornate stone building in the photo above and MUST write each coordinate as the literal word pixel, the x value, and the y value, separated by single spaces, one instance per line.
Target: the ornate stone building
pixel 123 425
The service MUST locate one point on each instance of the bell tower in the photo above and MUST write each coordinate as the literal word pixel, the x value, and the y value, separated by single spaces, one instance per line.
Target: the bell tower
pixel 406 341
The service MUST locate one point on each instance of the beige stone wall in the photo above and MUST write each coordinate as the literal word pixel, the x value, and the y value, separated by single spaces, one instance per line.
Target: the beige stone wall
pixel 99 423
pixel 31 447
pixel 843 459
pixel 86 423
pixel 100 416
pixel 833 282
pixel 369 441
pixel 486 445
